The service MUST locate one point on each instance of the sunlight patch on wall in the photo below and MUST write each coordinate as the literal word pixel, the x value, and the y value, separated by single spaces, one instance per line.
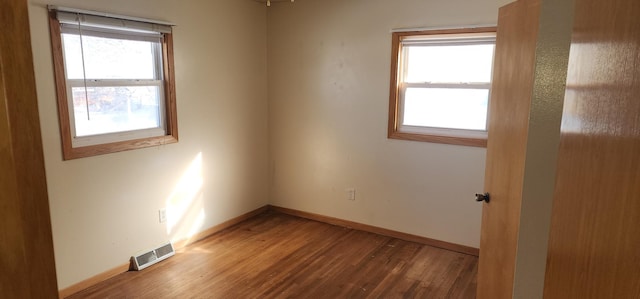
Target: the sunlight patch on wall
pixel 185 206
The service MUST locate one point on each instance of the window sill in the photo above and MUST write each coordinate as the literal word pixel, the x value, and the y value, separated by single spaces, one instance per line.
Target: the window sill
pixel 70 153
pixel 476 142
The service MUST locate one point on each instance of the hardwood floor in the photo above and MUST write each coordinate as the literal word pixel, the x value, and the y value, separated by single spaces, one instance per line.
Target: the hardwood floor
pixel 274 255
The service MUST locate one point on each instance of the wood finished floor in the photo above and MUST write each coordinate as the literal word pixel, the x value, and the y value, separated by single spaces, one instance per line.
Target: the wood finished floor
pixel 274 255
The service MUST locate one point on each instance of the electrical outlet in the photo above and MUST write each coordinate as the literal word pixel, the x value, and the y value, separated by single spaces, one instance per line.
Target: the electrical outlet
pixel 162 215
pixel 351 193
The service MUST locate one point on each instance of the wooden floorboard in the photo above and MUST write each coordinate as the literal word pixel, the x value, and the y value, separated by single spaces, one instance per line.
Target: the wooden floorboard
pixel 274 255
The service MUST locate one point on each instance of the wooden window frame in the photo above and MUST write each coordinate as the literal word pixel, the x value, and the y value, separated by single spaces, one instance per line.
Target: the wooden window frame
pixel 170 110
pixel 394 96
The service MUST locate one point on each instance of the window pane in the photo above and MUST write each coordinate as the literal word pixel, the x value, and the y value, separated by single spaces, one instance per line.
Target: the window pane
pixel 446 108
pixel 108 58
pixel 449 63
pixel 116 109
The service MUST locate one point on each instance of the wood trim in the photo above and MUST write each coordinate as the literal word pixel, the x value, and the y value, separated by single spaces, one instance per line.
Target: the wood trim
pixel 181 244
pixel 378 230
pixel 477 142
pixel 61 91
pixel 68 151
pixel 222 226
pixel 447 31
pixel 393 83
pixel 170 86
pixel 68 291
pixel 392 126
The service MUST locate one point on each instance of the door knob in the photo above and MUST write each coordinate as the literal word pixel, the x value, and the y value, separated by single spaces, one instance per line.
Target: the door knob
pixel 483 197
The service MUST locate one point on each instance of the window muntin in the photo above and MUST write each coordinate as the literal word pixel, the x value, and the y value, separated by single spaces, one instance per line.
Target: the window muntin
pixel 441 86
pixel 115 83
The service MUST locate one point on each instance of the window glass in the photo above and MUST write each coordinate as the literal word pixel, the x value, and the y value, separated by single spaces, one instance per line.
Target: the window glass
pixel 108 58
pixel 446 108
pixel 115 109
pixel 449 63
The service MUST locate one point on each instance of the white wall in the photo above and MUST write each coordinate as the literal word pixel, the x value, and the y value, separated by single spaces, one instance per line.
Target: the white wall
pixel 105 208
pixel 329 64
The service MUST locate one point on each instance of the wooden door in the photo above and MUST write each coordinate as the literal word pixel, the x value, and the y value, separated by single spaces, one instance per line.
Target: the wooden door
pixel 513 80
pixel 594 244
pixel 26 249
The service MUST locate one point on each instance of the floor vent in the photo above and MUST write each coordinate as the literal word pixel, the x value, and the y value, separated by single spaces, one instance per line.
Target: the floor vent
pixel 148 258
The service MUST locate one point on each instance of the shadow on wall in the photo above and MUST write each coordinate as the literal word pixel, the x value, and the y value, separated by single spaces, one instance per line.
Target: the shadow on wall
pixel 185 206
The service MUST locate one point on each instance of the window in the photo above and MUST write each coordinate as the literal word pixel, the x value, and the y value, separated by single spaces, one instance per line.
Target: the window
pixel 115 82
pixel 440 84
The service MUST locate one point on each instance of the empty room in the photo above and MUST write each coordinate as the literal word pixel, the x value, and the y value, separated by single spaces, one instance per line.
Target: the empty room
pixel 319 149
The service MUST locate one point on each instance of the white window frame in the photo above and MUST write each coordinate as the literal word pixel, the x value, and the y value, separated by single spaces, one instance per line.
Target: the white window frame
pixel 399 86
